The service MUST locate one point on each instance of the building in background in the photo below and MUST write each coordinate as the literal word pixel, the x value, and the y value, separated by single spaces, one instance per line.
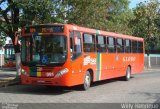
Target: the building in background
pixel 1 56
pixel 7 54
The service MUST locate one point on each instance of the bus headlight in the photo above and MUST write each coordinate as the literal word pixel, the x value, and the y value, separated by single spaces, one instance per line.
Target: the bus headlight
pixel 24 72
pixel 62 72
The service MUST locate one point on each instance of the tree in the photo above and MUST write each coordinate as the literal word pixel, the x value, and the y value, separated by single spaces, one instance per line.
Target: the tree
pixel 15 14
pixel 110 15
pixel 119 16
pixel 144 23
pixel 87 13
pixel 2 39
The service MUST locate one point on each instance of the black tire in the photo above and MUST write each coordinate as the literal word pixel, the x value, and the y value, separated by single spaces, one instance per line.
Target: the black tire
pixel 87 81
pixel 128 74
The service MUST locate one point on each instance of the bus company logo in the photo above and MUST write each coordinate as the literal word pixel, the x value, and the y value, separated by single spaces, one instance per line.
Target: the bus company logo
pixel 89 60
pixel 129 59
pixel 49 74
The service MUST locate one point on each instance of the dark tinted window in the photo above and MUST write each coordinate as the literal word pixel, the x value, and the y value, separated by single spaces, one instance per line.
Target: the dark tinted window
pixel 127 46
pixel 120 47
pixel 140 47
pixel 111 45
pixel 134 46
pixel 101 44
pixel 88 43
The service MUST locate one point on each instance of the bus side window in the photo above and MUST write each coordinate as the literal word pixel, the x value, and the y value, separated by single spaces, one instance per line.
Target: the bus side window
pixel 101 44
pixel 88 43
pixel 140 47
pixel 75 45
pixel 127 46
pixel 111 45
pixel 134 46
pixel 119 45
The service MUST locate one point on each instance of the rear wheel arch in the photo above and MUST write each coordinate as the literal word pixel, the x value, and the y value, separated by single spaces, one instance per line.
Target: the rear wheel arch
pixel 128 73
pixel 130 68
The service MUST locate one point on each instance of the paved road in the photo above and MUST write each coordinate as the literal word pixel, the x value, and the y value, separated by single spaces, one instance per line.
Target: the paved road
pixel 7 73
pixel 142 88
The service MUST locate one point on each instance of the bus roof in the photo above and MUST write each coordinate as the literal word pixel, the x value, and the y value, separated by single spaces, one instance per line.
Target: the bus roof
pixel 100 32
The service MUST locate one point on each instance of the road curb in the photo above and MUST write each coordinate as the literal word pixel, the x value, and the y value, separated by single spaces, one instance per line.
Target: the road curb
pixel 8 68
pixel 152 70
pixel 5 83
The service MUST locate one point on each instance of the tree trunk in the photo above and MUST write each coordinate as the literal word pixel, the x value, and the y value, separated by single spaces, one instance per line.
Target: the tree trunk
pixel 18 57
pixel 149 59
pixel 149 62
pixel 14 23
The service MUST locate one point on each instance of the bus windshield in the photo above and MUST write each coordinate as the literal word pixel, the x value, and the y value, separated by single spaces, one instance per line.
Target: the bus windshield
pixel 44 50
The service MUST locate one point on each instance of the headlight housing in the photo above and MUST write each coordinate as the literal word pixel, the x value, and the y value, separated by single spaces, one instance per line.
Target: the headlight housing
pixel 24 72
pixel 62 72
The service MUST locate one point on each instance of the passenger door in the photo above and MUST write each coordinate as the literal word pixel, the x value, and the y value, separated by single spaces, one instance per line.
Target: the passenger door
pixel 76 52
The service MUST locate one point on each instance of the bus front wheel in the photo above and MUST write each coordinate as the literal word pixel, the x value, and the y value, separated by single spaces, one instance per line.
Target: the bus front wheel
pixel 87 81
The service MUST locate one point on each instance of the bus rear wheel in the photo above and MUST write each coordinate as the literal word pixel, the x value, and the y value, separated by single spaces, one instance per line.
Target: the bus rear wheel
pixel 87 81
pixel 128 74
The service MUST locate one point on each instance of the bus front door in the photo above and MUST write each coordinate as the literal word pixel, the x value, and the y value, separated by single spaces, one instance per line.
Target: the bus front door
pixel 76 56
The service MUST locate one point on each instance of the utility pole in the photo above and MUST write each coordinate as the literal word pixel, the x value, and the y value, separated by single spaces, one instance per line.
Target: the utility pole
pixel 148 46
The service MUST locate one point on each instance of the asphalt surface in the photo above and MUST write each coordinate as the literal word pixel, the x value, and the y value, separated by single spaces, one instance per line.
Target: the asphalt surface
pixel 142 88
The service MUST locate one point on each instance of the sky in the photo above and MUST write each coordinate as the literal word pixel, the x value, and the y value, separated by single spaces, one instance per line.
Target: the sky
pixel 133 3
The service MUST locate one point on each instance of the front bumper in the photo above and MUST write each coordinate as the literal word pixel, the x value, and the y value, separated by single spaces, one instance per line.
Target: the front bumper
pixel 60 81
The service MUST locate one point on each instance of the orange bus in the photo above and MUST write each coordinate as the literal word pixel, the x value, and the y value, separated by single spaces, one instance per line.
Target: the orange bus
pixel 69 55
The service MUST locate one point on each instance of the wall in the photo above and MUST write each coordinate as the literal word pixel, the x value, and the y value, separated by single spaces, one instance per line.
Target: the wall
pixel 155 59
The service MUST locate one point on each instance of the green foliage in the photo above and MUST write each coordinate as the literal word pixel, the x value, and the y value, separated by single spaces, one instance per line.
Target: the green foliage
pixel 87 13
pixel 110 15
pixel 119 16
pixel 35 11
pixel 120 23
pixel 144 24
pixel 2 39
pixel 15 14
